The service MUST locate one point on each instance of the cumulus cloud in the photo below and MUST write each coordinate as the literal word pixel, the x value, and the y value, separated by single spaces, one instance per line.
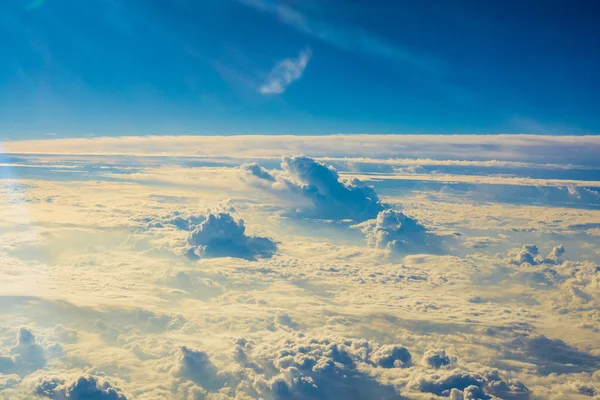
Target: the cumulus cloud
pixel 330 197
pixel 530 255
pixel 395 231
pixel 177 219
pixel 298 367
pixel 459 384
pixel 220 235
pixel 25 356
pixel 83 388
pixel 435 359
pixel 196 366
pixel 392 356
pixel 285 73
pixel 324 368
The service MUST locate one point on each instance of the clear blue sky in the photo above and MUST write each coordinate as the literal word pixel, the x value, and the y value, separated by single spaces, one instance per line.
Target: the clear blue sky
pixel 123 67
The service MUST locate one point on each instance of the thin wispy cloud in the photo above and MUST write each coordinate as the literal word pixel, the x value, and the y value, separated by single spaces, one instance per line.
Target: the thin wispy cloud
pixel 346 37
pixel 285 72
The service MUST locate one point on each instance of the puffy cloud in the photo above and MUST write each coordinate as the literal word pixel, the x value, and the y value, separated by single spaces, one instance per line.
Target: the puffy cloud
pixel 530 254
pixel 555 255
pixel 442 384
pixel 220 235
pixel 176 219
pixel 392 356
pixel 458 384
pixel 196 366
pixel 435 359
pixel 83 388
pixel 328 368
pixel 26 356
pixel 297 367
pixel 330 197
pixel 65 334
pixel 258 171
pixel 527 255
pixel 553 355
pixel 395 231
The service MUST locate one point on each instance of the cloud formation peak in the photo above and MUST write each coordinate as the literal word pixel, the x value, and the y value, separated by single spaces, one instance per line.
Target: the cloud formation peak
pixel 331 197
pixel 220 235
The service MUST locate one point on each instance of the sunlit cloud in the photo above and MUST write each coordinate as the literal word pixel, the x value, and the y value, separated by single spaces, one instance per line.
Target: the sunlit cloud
pixel 454 283
pixel 285 73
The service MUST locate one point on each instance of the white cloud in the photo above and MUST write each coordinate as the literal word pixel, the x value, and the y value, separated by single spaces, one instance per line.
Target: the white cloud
pixel 84 387
pixel 220 235
pixel 285 73
pixel 94 276
pixel 570 150
pixel 346 37
pixel 330 196
pixel 395 231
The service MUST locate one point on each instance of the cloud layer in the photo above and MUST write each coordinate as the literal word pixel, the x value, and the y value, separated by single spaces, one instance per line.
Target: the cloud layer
pixel 310 277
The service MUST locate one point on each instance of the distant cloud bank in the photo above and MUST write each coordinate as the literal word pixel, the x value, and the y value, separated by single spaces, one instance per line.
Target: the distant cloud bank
pixel 491 149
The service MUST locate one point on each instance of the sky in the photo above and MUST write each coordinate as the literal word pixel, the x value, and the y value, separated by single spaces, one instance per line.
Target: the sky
pixel 204 200
pixel 223 67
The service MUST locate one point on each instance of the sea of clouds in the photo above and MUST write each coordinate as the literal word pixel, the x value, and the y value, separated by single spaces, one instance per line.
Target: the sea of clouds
pixel 332 267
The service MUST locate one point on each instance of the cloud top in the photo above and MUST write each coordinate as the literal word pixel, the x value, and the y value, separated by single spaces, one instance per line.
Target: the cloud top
pixel 220 235
pixel 394 230
pixel 331 197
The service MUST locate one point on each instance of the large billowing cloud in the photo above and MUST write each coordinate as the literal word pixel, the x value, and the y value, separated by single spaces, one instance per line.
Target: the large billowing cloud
pixel 395 231
pixel 530 255
pixel 25 356
pixel 299 368
pixel 482 385
pixel 332 198
pixel 329 196
pixel 220 235
pixel 82 388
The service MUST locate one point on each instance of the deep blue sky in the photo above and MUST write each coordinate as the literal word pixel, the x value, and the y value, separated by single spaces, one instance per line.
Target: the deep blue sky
pixel 122 67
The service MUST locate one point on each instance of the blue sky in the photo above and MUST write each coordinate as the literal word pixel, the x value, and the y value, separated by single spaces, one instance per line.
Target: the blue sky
pixel 109 67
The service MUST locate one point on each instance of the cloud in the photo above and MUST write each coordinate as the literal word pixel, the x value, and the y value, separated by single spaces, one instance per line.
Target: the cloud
pixel 568 151
pixel 285 73
pixel 435 359
pixel 345 37
pixel 25 357
pixel 195 365
pixel 331 197
pixel 530 255
pixel 324 368
pixel 482 385
pixel 176 219
pixel 392 356
pixel 395 231
pixel 552 355
pixel 83 388
pixel 73 274
pixel 220 235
